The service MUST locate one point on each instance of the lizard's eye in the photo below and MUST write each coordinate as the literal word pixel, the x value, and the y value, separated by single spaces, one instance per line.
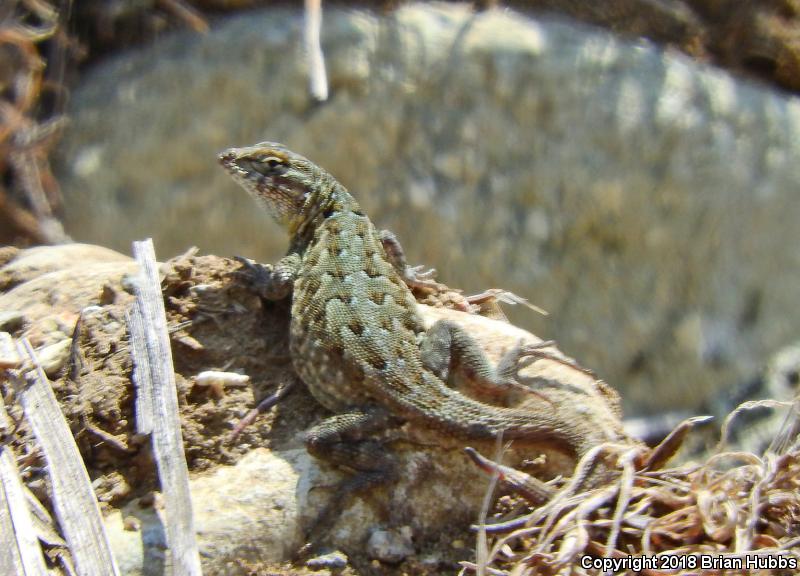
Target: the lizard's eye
pixel 270 166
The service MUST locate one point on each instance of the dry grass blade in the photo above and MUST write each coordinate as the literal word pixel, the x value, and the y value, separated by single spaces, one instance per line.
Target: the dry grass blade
pixel 481 546
pixel 21 553
pixel 743 407
pixel 186 13
pixel 154 374
pixel 316 59
pixel 75 503
pixel 16 524
pixel 787 437
pixel 33 195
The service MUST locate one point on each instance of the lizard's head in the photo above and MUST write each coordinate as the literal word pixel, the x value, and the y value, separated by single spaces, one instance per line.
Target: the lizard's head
pixel 276 177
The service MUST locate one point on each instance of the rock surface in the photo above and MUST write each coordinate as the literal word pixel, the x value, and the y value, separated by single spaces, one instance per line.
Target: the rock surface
pixel 256 498
pixel 644 200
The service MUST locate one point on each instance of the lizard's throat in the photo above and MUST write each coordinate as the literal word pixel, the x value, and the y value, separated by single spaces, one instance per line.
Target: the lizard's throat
pixel 321 205
pixel 281 200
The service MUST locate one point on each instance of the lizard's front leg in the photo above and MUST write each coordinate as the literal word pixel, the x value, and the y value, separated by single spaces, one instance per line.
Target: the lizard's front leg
pixel 273 282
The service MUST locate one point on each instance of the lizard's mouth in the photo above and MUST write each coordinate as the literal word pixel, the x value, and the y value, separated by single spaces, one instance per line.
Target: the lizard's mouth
pixel 228 161
pixel 241 171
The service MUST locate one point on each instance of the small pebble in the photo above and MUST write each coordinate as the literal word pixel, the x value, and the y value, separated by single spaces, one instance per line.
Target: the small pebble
pixel 333 560
pixel 131 524
pixel 216 381
pixel 390 546
pixel 53 357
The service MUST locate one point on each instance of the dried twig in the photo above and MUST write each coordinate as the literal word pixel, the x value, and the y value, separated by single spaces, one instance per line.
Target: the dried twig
pixel 75 503
pixel 316 59
pixel 157 408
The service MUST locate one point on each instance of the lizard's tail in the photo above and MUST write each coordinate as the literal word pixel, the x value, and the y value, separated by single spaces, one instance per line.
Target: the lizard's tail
pixel 448 410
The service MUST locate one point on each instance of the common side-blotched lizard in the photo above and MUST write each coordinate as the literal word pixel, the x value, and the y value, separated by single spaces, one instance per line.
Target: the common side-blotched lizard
pixel 356 338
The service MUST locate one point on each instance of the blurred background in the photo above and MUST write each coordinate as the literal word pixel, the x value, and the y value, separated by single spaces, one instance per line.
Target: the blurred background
pixel 631 166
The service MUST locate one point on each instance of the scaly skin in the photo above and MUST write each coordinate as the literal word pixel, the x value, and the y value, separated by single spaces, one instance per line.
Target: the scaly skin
pixel 356 335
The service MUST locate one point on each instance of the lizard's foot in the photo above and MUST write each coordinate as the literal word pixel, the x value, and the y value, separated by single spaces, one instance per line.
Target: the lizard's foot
pixel 266 280
pixel 415 277
pixel 489 300
pixel 360 483
pixel 524 355
pixel 348 440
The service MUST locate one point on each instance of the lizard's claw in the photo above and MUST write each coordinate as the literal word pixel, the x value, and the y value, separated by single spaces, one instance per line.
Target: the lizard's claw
pixel 419 278
pixel 529 353
pixel 504 296
pixel 263 279
pixel 253 270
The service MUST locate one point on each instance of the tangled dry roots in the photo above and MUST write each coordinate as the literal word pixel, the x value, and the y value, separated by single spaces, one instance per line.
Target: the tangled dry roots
pixel 732 506
pixel 28 207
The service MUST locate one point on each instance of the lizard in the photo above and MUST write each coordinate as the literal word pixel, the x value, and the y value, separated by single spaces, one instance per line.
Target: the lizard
pixel 356 338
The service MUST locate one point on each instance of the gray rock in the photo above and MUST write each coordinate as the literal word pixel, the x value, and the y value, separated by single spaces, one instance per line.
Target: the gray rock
pixel 646 201
pixel 390 546
pixel 33 262
pixel 333 561
pixel 246 512
pixel 252 505
pixel 53 357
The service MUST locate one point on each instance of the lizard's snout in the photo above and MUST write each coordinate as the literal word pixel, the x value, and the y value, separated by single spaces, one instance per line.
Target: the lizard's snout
pixel 226 158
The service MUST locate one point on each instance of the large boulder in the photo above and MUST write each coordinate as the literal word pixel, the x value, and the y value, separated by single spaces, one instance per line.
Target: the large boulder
pixel 643 199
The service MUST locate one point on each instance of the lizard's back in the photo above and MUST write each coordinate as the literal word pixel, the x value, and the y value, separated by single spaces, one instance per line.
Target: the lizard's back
pixel 355 330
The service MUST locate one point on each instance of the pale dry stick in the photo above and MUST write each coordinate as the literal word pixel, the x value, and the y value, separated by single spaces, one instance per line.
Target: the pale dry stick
pixel 21 553
pixel 532 489
pixel 582 472
pixel 624 498
pixel 793 543
pixel 787 437
pixel 745 535
pixel 559 502
pixel 573 543
pixel 153 370
pixel 318 78
pixel 586 506
pixel 743 407
pixel 75 502
pixel 576 516
pixel 481 545
pixel 143 390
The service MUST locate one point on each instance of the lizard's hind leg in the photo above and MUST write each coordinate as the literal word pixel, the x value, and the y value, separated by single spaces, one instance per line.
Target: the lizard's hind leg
pixel 415 277
pixel 457 359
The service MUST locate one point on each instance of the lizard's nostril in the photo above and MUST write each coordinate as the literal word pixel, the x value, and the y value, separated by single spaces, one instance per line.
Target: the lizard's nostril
pixel 225 157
